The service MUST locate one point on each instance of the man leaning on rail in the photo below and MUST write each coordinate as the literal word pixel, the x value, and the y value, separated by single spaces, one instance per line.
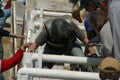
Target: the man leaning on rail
pixel 60 35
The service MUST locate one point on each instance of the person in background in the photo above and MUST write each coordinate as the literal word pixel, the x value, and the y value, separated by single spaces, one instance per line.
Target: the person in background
pixel 76 13
pixel 111 7
pixel 109 69
pixel 5 12
pixel 60 35
pixel 114 17
pixel 89 6
pixel 103 5
pixel 6 64
pixel 100 24
pixel 7 34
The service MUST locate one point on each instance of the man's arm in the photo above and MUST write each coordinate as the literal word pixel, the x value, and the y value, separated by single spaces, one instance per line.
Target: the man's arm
pixel 4 32
pixel 41 39
pixel 8 34
pixel 15 59
pixel 17 35
pixel 81 36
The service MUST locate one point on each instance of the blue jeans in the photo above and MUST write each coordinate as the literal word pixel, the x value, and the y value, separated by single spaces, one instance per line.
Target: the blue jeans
pixel 75 51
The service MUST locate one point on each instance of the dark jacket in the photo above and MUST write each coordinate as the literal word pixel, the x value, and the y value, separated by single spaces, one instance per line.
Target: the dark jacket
pixel 46 36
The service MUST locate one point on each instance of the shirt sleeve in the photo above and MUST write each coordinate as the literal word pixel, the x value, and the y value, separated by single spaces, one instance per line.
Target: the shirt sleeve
pixel 11 62
pixel 42 37
pixel 4 32
pixel 78 31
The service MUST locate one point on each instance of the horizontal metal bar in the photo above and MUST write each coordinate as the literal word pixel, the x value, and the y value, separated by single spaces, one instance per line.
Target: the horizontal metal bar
pixel 59 74
pixel 61 59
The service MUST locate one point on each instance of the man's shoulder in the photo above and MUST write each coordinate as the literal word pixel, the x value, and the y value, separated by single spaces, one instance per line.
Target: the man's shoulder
pixel 48 23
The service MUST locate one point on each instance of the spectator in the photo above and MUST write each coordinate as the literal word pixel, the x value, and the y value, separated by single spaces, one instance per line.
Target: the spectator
pixel 111 7
pixel 113 15
pixel 76 13
pixel 8 34
pixel 90 31
pixel 109 69
pixel 5 12
pixel 6 64
pixel 100 24
pixel 89 6
pixel 103 5
pixel 60 35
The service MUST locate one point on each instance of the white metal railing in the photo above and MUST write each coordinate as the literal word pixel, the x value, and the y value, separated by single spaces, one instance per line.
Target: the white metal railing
pixel 29 57
pixel 27 61
pixel 59 74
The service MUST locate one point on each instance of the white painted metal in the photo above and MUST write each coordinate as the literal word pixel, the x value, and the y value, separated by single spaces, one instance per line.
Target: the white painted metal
pixel 59 74
pixel 54 14
pixel 53 5
pixel 28 57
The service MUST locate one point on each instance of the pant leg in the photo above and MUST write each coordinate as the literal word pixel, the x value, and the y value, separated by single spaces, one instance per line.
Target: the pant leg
pixel 77 51
pixel 50 50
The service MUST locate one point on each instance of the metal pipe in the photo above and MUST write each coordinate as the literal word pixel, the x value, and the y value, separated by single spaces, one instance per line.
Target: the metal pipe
pixel 62 59
pixel 58 74
pixel 48 13
pixel 70 59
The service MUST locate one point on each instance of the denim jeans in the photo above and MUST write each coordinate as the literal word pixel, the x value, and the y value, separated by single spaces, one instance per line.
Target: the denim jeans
pixel 76 51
